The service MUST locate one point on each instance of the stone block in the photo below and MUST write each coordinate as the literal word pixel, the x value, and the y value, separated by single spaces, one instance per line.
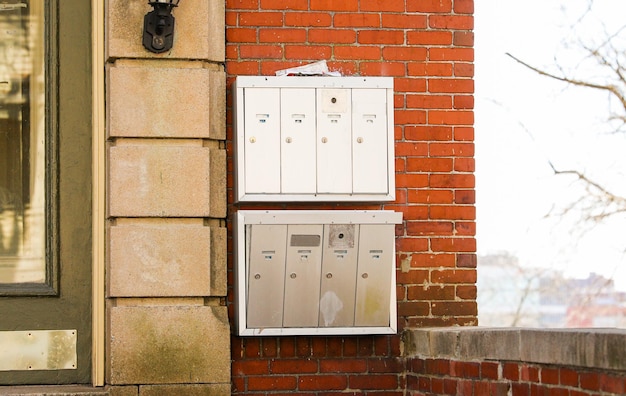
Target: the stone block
pixel 481 343
pixel 175 102
pixel 218 261
pixel 199 30
pixel 123 391
pixel 166 180
pixel 187 390
pixel 159 260
pixel 168 345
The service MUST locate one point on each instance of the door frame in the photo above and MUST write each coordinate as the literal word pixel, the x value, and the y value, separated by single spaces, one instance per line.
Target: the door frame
pixel 98 192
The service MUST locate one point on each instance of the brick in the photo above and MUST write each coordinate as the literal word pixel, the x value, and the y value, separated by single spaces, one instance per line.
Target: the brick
pixel 380 37
pixel 451 149
pixel 282 35
pixel 615 384
pixel 451 54
pixel 447 276
pixel 382 69
pixel 261 51
pixel 343 366
pixel 293 366
pixel 466 180
pixel 272 383
pixel 464 6
pixel 460 22
pixel 241 35
pixel 451 85
pixel 334 36
pixel 510 371
pixel 301 52
pixel 430 196
pixel 464 196
pixel 373 381
pixel 332 5
pixel 429 228
pixel 356 52
pixel 464 165
pixel 463 39
pixel 432 293
pixel 261 19
pixel 549 376
pixel 387 6
pixel 463 69
pixel 413 277
pixel 429 133
pixel 429 101
pixel 284 4
pixel 322 382
pixel 308 19
pixel 242 4
pixel 357 20
pixel 589 380
pixel 434 37
pixel 404 21
pixel 430 69
pixel 463 133
pixel 465 370
pixel 429 164
pixel 412 245
pixel 168 345
pixel 454 308
pixel 250 367
pixel 463 102
pixel 455 117
pixel 429 6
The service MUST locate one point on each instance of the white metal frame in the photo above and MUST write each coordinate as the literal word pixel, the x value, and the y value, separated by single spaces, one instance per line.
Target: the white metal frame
pixel 243 82
pixel 246 217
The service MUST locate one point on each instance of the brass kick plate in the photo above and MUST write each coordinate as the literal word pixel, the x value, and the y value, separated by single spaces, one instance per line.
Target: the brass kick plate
pixel 38 350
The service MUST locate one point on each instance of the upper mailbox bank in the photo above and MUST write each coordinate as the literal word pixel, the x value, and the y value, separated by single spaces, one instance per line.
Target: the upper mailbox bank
pixel 314 139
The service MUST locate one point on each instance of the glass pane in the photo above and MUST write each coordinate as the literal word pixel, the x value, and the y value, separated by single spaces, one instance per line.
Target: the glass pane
pixel 22 142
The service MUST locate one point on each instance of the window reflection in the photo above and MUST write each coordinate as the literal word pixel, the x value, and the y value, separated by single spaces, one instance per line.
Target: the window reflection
pixel 22 142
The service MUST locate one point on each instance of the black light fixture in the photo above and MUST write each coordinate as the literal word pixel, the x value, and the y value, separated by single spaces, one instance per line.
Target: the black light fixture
pixel 158 26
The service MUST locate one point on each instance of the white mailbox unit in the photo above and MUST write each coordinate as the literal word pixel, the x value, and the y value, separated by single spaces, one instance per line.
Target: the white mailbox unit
pixel 315 272
pixel 314 139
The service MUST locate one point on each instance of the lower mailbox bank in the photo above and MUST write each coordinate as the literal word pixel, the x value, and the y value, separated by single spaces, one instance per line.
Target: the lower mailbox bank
pixel 315 272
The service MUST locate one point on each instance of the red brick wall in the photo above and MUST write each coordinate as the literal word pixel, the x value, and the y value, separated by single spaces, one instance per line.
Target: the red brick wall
pixel 450 377
pixel 426 45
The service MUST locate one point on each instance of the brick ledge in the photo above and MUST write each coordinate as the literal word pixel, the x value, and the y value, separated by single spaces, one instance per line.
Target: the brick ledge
pixel 592 348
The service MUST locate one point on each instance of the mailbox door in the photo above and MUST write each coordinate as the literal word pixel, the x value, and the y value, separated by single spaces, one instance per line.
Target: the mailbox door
pixel 302 275
pixel 266 275
pixel 373 282
pixel 369 141
pixel 334 130
pixel 339 267
pixel 262 140
pixel 297 152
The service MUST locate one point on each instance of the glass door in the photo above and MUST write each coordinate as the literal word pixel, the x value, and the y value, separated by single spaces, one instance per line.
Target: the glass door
pixel 45 191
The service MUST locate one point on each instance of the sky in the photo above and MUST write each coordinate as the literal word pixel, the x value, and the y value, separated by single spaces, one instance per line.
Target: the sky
pixel 524 121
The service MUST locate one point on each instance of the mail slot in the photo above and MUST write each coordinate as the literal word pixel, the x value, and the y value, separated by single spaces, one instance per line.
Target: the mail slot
pixel 315 272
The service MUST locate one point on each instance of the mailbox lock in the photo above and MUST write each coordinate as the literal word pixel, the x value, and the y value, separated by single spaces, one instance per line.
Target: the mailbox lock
pixel 293 275
pixel 288 140
pixel 257 276
pixel 333 100
pixel 364 276
pixel 329 275
pixel 252 139
pixel 359 140
pixel 324 140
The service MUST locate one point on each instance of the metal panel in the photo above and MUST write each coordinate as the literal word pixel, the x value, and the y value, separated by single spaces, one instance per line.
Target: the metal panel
pixel 262 140
pixel 334 157
pixel 369 141
pixel 297 152
pixel 339 267
pixel 266 275
pixel 374 274
pixel 38 350
pixel 302 275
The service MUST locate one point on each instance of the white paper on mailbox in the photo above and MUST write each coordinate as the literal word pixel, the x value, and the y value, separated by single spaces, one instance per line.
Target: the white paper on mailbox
pixel 319 68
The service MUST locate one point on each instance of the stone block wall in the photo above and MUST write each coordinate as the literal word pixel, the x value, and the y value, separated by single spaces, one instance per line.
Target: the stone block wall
pixel 167 325
pixel 427 47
